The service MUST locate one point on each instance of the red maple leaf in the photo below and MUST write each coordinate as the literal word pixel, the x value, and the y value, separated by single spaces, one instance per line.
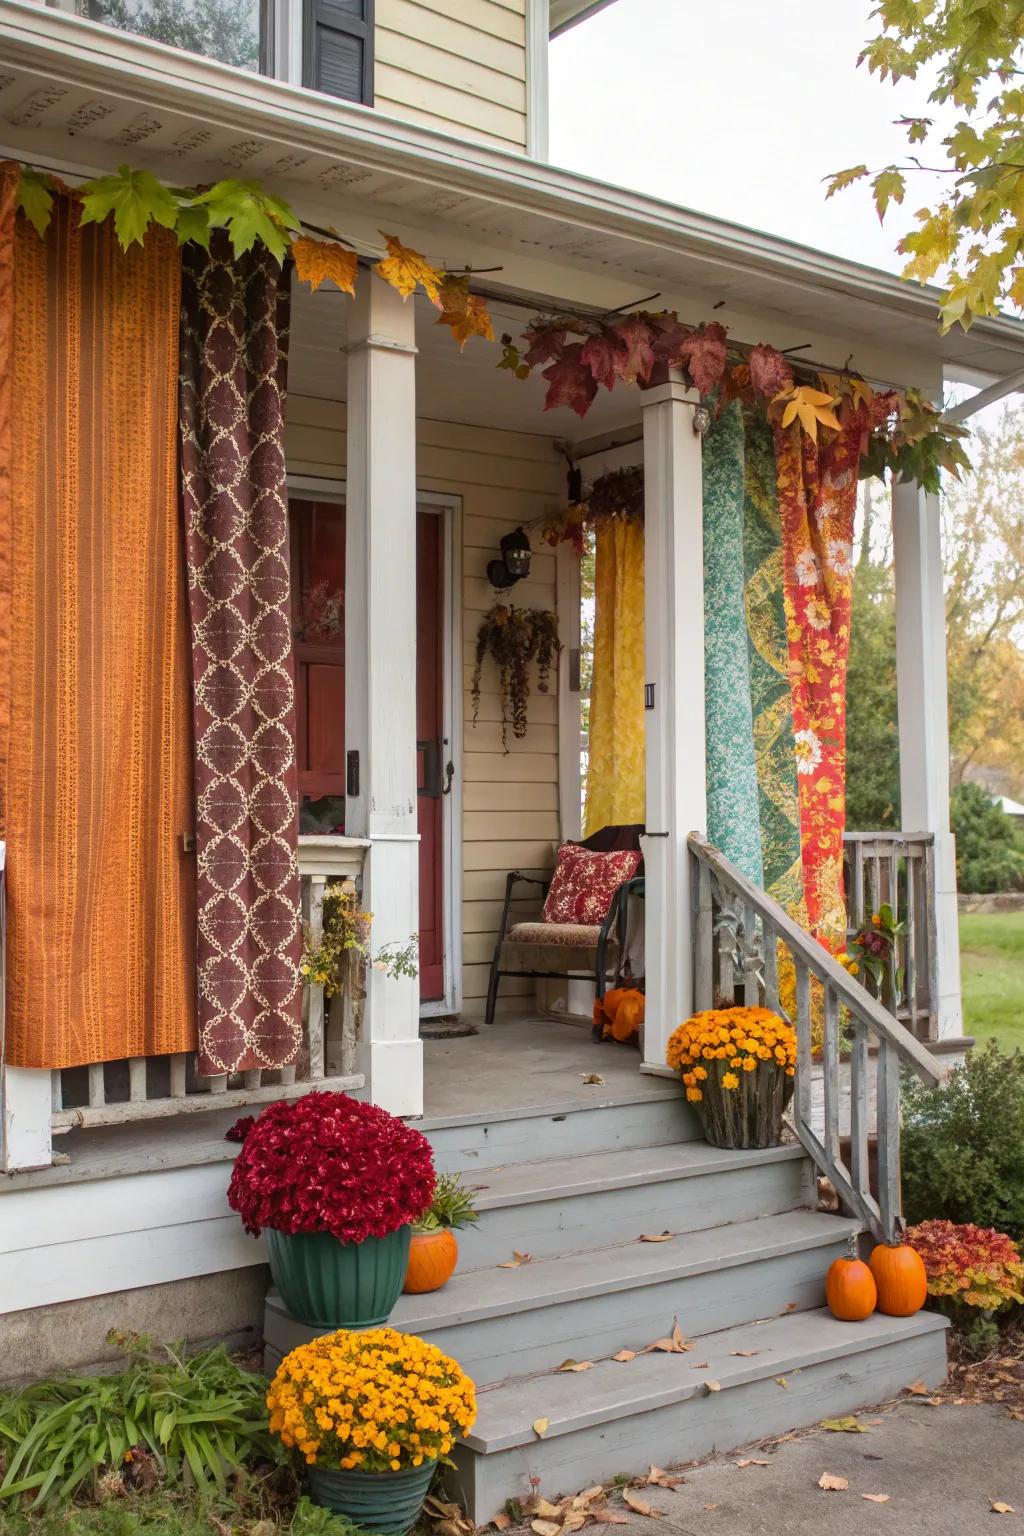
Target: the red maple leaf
pixel 669 335
pixel 605 356
pixel 704 356
pixel 637 337
pixel 547 343
pixel 571 381
pixel 770 374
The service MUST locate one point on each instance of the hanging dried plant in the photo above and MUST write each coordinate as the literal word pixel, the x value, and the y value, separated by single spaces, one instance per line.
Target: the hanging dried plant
pixel 515 637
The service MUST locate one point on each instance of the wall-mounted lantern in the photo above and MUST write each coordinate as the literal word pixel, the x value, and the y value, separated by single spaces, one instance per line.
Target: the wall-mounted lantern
pixel 514 563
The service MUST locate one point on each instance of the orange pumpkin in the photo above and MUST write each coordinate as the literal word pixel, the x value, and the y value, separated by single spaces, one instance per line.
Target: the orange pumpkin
pixel 850 1290
pixel 628 1015
pixel 432 1260
pixel 901 1279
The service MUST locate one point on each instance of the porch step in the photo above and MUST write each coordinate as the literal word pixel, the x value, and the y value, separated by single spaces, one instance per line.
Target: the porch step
pixel 568 1204
pixel 604 1123
pixel 500 1323
pixel 621 1417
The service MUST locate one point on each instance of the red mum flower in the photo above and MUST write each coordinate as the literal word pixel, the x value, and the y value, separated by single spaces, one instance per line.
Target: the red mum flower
pixel 327 1163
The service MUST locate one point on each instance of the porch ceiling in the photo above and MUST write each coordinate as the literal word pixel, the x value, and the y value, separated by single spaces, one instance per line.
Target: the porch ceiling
pixel 81 96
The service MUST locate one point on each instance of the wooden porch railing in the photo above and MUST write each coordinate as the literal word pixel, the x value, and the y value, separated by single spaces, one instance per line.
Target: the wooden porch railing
pixel 898 868
pixel 748 949
pixel 143 1088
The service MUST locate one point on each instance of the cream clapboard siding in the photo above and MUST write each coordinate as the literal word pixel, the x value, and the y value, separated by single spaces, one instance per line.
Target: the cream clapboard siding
pixel 454 64
pixel 510 801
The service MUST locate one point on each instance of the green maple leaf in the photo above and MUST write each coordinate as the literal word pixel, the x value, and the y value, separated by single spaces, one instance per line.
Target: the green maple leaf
pixel 135 198
pixel 888 186
pixel 35 198
pixel 249 214
pixel 840 179
pixel 194 224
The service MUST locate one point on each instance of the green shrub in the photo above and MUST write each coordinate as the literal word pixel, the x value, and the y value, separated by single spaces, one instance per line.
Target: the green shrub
pixel 194 1419
pixel 989 846
pixel 963 1145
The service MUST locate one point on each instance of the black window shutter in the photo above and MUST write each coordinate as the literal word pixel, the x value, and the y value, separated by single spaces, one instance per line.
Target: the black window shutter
pixel 338 48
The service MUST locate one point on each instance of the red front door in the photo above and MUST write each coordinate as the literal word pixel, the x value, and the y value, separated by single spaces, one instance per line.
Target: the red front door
pixel 318 590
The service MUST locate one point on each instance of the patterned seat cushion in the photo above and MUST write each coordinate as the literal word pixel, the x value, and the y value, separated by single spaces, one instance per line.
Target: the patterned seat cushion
pixel 584 883
pixel 581 935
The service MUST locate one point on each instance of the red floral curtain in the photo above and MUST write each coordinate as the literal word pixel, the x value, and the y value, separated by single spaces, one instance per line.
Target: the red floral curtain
pixel 234 328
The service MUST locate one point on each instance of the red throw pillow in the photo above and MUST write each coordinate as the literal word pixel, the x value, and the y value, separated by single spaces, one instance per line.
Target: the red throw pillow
pixel 583 883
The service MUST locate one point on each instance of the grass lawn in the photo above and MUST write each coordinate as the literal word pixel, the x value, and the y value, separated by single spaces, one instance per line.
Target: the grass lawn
pixel 992 976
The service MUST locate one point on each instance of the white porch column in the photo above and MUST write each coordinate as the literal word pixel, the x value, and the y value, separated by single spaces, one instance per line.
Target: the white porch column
pixel 924 722
pixel 380 671
pixel 674 648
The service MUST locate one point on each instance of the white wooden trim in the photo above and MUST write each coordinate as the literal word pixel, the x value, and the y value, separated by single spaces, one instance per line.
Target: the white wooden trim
pixel 674 652
pixel 924 723
pixel 538 27
pixel 567 586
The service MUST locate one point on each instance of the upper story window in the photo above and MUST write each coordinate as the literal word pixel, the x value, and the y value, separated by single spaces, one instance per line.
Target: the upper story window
pixel 324 44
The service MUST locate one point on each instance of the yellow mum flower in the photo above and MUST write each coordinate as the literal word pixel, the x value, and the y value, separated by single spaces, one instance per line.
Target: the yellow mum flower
pixel 730 1080
pixel 749 1064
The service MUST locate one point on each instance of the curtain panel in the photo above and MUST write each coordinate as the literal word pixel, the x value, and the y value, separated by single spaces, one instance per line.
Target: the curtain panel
pixel 233 364
pixel 95 775
pixel 615 771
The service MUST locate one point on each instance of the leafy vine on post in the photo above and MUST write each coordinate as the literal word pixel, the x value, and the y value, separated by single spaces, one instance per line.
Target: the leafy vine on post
pixel 336 960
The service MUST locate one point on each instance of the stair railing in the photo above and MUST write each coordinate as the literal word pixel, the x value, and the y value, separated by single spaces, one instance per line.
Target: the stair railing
pixel 748 948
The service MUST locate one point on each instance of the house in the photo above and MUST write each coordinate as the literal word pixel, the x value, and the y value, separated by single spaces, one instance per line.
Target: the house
pixel 424 120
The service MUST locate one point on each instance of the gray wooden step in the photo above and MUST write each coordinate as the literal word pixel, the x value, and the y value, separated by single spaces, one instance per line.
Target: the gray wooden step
pixel 618 1418
pixel 607 1122
pixel 569 1204
pixel 501 1323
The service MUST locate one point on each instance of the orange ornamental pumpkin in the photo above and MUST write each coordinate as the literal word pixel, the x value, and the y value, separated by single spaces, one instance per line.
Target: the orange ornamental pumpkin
pixel 432 1260
pixel 628 1016
pixel 901 1279
pixel 850 1290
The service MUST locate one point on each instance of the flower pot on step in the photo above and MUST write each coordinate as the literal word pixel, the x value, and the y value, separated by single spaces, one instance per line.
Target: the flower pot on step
pixel 432 1260
pixel 329 1284
pixel 376 1501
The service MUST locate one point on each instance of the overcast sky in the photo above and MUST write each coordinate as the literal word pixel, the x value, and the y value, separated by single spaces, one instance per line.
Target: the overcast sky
pixel 737 108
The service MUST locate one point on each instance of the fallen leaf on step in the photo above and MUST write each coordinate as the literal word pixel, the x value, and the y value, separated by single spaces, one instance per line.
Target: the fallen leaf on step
pixel 625 1354
pixel 790 1306
pixel 640 1506
pixel 745 1354
pixel 833 1484
pixel 918 1389
pixel 675 1344
pixel 545 1527
pixel 877 1498
pixel 659 1478
pixel 712 1386
pixel 938 1402
pixel 501 1522
pixel 783 1383
pixel 847 1426
pixel 544 1509
pixel 656 1237
pixel 999 1508
pixel 873 1423
pixel 576 1365
pixel 710 1506
pixel 594 1077
pixel 587 1496
pixel 517 1259
pixel 541 1427
pixel 575 1520
pixel 752 1461
pixel 699 1365
pixel 606 1516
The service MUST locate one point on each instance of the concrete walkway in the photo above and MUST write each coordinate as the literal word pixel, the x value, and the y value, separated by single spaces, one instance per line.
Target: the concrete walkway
pixel 942 1467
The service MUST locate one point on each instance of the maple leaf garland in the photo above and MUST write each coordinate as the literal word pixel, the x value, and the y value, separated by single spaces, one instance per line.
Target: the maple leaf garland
pixel 316 261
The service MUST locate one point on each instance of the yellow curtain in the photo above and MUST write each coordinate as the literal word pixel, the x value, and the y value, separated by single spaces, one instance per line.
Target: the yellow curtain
pixel 95 774
pixel 615 775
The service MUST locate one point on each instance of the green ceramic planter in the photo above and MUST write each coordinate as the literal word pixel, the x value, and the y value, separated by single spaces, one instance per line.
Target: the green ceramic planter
pixel 329 1284
pixel 378 1501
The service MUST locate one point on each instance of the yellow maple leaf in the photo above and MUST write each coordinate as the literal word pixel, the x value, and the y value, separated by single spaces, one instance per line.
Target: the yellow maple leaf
pixel 318 260
pixel 404 268
pixel 466 314
pixel 811 407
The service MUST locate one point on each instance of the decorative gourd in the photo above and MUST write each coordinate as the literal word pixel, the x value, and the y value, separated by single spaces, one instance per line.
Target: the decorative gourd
pixel 432 1260
pixel 850 1290
pixel 901 1279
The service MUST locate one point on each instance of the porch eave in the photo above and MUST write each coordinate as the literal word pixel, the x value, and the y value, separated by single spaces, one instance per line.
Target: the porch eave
pixel 244 124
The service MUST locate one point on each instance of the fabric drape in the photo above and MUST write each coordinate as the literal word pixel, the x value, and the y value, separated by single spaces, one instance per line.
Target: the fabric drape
pixel 95 781
pixel 817 493
pixel 235 505
pixel 615 772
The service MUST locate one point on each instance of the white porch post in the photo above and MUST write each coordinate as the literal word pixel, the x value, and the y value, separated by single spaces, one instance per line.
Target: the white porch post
pixel 380 671
pixel 924 722
pixel 674 649
pixel 26 1095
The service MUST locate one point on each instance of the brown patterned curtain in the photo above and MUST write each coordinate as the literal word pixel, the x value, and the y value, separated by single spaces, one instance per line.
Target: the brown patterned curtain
pixel 234 327
pixel 95 763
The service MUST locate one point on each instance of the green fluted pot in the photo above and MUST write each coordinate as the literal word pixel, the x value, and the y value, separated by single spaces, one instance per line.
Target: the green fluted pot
pixel 329 1284
pixel 377 1501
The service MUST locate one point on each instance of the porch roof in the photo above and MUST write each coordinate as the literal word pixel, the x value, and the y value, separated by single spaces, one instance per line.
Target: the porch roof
pixel 81 97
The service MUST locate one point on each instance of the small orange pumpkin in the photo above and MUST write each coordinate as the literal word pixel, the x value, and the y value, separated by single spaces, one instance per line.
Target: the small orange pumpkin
pixel 432 1260
pixel 901 1279
pixel 628 1015
pixel 850 1290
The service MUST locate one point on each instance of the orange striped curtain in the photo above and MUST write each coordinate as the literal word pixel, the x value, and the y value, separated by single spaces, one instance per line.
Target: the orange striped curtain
pixel 95 776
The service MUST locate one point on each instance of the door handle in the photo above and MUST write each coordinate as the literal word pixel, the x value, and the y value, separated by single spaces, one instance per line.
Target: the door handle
pixel 449 774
